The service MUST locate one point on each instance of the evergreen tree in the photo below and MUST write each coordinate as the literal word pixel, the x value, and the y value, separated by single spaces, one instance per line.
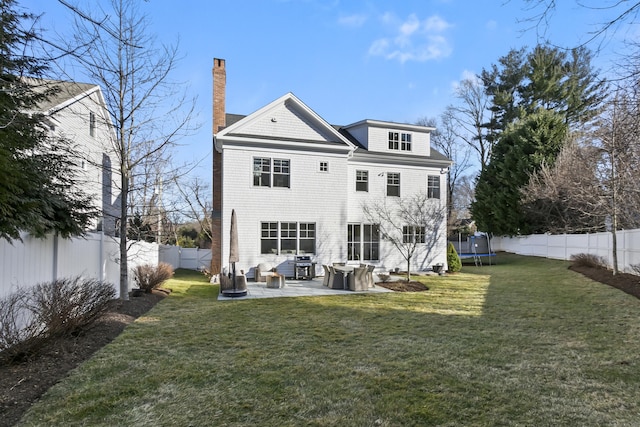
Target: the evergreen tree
pixel 522 150
pixel 37 192
pixel 536 99
pixel 453 259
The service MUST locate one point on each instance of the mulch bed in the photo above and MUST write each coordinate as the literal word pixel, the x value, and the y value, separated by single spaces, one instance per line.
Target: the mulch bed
pixel 22 384
pixel 404 286
pixel 626 282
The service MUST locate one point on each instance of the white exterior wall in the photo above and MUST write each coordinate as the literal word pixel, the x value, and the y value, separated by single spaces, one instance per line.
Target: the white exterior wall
pixel 97 153
pixel 361 134
pixel 379 141
pixel 412 181
pixel 287 129
pixel 313 197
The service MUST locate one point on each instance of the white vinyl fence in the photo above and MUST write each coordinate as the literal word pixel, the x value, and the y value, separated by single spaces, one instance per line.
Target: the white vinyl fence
pixel 189 258
pixel 33 261
pixel 562 246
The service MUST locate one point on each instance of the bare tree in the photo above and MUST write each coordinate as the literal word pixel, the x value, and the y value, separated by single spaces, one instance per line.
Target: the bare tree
pixel 464 195
pixel 413 225
pixel 619 137
pixel 446 140
pixel 568 197
pixel 594 185
pixel 195 204
pixel 148 110
pixel 468 119
pixel 617 13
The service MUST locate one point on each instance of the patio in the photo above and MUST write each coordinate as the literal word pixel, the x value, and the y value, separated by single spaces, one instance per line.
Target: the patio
pixel 296 288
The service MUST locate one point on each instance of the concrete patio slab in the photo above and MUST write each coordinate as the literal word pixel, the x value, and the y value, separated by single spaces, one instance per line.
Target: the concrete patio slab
pixel 296 288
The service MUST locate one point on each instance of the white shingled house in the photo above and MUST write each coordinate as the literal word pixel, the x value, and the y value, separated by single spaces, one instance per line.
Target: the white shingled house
pixel 78 113
pixel 298 185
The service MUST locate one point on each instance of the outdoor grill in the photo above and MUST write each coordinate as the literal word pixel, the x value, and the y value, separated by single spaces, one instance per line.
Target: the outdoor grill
pixel 304 267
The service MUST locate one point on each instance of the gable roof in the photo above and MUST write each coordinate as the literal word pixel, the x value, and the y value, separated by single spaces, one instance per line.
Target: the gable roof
pixel 288 120
pixel 65 93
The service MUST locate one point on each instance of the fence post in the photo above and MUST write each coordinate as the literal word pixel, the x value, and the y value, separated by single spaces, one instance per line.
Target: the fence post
pixel 54 269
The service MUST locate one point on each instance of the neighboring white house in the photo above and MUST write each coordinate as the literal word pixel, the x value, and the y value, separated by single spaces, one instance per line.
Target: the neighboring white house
pixel 298 184
pixel 78 113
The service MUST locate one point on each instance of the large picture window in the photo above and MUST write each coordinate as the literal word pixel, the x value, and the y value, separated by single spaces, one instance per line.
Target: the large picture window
pixel 393 184
pixel 363 242
pixel 266 170
pixel 288 238
pixel 433 187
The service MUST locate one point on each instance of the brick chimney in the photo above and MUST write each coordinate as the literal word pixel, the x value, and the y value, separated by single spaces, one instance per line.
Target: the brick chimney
pixel 219 91
pixel 219 122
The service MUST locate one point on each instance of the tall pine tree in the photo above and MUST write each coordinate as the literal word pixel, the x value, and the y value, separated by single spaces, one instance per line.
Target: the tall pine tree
pixel 37 192
pixel 536 99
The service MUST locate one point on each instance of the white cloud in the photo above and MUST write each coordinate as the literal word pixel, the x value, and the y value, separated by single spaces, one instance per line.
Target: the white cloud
pixel 491 24
pixel 437 24
pixel 413 39
pixel 354 21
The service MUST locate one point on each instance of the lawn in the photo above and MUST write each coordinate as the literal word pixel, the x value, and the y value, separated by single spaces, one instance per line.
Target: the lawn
pixel 524 342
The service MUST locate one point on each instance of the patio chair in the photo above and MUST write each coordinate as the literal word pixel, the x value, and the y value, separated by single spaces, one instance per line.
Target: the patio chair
pixel 327 275
pixel 262 271
pixel 336 279
pixel 370 282
pixel 358 280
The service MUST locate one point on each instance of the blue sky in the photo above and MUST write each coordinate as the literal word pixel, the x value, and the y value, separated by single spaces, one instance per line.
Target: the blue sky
pixel 347 60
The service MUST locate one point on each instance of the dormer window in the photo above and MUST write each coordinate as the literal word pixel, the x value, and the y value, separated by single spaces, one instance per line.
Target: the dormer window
pixel 399 141
pixel 405 144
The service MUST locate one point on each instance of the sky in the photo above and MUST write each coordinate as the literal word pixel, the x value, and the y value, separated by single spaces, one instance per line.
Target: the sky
pixel 348 60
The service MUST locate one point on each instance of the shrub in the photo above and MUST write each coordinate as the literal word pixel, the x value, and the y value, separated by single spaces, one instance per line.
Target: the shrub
pixel 588 260
pixel 149 277
pixel 18 328
pixel 384 277
pixel 66 305
pixel 453 260
pixel 29 318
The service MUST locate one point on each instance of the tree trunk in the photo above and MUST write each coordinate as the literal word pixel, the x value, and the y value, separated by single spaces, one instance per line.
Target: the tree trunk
pixel 614 250
pixel 408 269
pixel 124 266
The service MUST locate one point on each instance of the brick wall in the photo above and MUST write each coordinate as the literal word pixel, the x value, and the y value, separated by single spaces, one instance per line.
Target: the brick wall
pixel 219 122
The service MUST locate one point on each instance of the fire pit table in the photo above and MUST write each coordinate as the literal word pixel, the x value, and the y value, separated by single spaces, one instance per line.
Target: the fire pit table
pixel 275 281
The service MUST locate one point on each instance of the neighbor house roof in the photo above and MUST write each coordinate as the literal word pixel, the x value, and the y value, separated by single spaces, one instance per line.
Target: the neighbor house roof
pixel 65 91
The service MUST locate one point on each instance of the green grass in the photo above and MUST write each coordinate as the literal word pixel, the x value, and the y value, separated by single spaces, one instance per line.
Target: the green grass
pixel 524 342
